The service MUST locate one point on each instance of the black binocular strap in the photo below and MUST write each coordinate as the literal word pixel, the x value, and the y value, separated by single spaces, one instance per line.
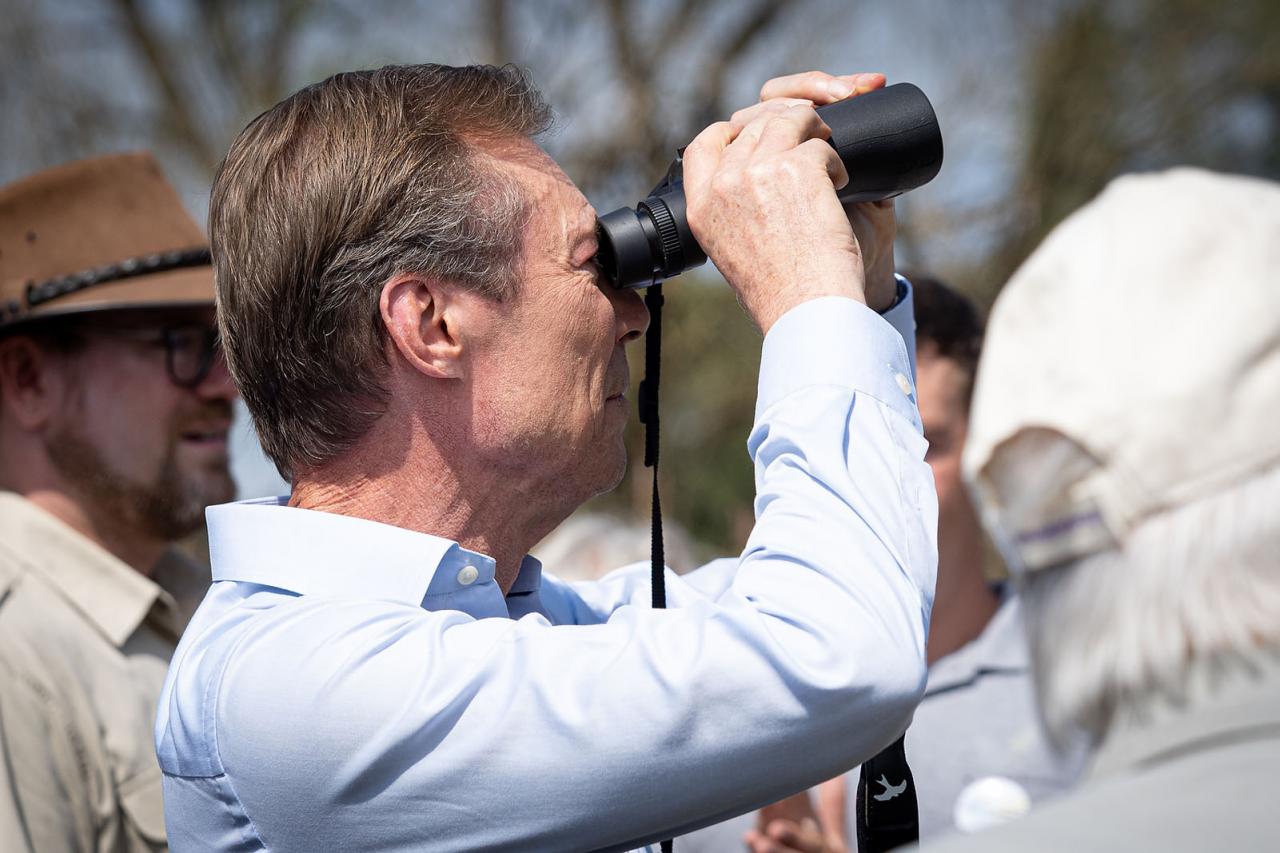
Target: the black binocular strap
pixel 887 818
pixel 888 815
pixel 648 406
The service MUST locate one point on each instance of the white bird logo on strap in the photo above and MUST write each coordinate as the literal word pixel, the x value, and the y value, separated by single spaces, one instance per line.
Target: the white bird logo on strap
pixel 890 791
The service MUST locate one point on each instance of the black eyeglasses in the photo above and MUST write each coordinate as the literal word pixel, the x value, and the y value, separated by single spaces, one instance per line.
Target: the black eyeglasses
pixel 189 351
pixel 189 354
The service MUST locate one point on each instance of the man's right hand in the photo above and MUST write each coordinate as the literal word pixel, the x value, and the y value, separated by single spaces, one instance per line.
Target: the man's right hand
pixel 761 202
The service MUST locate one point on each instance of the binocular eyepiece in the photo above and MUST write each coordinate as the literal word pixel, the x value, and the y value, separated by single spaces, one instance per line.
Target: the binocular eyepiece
pixel 888 140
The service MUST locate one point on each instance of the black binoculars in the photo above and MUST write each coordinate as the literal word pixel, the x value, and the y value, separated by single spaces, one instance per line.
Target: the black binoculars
pixel 888 140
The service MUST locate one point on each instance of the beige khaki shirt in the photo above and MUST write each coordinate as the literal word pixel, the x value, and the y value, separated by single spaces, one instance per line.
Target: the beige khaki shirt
pixel 84 644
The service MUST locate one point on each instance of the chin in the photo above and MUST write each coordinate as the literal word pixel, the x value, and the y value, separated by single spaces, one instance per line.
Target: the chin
pixel 612 471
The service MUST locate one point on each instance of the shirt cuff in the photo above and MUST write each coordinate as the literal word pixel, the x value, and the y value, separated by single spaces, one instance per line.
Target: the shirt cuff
pixel 838 341
pixel 902 316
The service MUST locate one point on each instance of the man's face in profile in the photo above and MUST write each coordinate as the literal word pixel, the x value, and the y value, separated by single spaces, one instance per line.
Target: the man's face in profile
pixel 551 372
pixel 129 437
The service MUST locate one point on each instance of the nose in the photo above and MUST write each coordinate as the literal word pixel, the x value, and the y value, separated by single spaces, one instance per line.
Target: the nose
pixel 217 385
pixel 632 313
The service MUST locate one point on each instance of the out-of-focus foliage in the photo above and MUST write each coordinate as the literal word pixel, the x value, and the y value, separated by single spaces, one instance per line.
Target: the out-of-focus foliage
pixel 1148 84
pixel 1110 88
pixel 177 77
pixel 1074 92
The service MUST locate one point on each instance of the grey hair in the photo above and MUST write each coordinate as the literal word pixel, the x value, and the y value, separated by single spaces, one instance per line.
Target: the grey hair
pixel 1193 589
pixel 326 196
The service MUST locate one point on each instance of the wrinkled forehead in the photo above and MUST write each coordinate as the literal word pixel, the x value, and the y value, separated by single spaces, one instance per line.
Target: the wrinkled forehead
pixel 558 209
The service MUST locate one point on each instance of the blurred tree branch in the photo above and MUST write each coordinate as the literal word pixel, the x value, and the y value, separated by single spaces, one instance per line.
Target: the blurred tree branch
pixel 669 64
pixel 1150 84
pixel 709 96
pixel 177 105
pixel 206 64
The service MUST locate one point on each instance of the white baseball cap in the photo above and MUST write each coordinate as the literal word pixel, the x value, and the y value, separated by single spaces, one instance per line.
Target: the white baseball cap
pixel 1131 365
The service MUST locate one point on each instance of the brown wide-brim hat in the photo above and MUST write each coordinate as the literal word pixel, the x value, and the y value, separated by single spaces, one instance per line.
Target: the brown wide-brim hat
pixel 103 234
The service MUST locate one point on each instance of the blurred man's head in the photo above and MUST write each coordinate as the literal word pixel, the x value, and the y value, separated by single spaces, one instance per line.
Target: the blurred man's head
pixel 948 342
pixel 397 261
pixel 112 393
pixel 1123 442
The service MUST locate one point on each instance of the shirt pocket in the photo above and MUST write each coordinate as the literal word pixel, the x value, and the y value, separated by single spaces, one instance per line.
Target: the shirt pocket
pixel 142 801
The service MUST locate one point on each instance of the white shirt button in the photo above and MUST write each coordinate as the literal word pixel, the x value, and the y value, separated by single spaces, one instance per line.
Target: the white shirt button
pixel 468 574
pixel 904 383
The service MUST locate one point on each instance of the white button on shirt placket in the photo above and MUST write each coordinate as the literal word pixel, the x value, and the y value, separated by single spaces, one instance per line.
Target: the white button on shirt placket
pixel 468 575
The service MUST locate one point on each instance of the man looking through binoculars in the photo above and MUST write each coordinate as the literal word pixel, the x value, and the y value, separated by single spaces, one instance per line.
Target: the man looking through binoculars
pixel 411 308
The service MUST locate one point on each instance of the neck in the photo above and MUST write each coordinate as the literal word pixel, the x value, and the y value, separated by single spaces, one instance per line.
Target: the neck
pixel 963 602
pixel 135 550
pixel 431 490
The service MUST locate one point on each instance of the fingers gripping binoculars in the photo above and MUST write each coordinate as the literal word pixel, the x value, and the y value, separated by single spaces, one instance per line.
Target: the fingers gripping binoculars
pixel 888 140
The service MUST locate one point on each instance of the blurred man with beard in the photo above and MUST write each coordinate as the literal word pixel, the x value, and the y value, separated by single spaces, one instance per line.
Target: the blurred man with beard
pixel 114 410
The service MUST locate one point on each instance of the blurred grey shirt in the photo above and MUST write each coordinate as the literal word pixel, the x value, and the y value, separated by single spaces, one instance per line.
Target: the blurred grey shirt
pixel 1182 773
pixel 977 720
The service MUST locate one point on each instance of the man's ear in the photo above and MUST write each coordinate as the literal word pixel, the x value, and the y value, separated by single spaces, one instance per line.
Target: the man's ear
pixel 31 384
pixel 419 316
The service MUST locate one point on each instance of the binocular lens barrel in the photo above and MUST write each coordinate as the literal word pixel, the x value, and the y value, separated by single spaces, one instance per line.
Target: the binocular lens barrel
pixel 888 140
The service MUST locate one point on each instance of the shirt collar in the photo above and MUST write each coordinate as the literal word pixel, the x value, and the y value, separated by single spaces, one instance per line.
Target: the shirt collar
pixel 112 595
pixel 267 542
pixel 530 577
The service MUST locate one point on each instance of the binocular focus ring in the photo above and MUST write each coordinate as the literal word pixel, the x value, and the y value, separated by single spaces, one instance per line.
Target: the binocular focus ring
pixel 668 234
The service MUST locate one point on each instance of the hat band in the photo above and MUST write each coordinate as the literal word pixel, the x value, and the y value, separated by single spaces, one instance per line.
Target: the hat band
pixel 38 294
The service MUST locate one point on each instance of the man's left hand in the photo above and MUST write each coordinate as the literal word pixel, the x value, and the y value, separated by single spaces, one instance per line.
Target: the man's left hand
pixel 874 223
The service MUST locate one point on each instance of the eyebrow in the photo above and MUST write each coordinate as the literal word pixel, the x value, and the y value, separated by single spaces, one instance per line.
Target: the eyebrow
pixel 576 249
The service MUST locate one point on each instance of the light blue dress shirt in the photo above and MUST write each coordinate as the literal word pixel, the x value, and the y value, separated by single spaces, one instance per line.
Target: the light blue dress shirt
pixel 348 685
pixel 977 720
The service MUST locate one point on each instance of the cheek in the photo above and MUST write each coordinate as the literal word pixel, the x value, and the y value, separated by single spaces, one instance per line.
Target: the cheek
pixel 589 323
pixel 125 415
pixel 585 346
pixel 547 371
